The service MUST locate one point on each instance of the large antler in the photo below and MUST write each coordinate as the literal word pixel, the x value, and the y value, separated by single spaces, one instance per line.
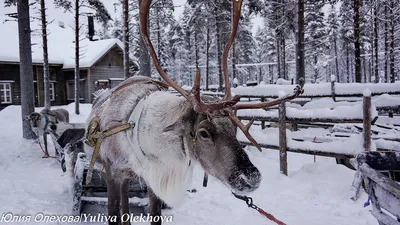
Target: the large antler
pixel 237 6
pixel 228 104
pixel 194 96
pixel 298 90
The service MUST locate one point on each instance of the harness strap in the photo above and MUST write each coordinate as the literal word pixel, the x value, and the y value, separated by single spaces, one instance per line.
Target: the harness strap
pixel 99 136
pixel 46 119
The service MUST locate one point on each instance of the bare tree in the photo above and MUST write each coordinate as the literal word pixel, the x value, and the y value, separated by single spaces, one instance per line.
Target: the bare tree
pixel 101 14
pixel 46 75
pixel 357 44
pixel 25 67
pixel 300 42
pixel 126 37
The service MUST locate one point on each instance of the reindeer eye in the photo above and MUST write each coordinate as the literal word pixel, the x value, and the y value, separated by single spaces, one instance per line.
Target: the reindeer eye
pixel 204 134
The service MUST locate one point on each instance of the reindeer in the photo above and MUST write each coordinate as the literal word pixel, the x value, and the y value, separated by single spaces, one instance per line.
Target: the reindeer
pixel 44 121
pixel 140 130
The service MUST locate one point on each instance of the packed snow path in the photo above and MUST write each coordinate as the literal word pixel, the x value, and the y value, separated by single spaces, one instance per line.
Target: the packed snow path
pixel 312 194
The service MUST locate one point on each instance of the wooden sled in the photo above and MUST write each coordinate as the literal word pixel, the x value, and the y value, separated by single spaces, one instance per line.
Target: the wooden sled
pixel 91 197
pixel 384 193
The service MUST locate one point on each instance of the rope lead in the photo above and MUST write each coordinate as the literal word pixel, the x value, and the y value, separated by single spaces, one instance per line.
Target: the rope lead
pixel 249 202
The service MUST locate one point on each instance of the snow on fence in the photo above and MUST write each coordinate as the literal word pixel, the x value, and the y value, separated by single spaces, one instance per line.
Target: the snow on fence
pixel 341 114
pixel 319 90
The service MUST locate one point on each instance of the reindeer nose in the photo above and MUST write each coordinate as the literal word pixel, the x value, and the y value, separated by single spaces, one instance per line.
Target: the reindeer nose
pixel 246 180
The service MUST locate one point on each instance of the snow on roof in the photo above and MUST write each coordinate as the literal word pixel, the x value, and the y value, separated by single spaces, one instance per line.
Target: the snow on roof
pixel 93 51
pixel 61 46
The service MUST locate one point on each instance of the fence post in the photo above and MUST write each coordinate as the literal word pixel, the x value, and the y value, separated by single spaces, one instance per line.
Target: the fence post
pixel 358 179
pixel 263 121
pixel 282 138
pixel 367 120
pixel 333 79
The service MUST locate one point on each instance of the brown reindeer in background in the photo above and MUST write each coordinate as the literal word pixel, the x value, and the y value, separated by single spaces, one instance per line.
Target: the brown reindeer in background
pixel 163 136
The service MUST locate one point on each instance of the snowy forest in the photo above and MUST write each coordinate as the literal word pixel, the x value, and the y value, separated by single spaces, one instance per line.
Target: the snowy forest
pixel 356 41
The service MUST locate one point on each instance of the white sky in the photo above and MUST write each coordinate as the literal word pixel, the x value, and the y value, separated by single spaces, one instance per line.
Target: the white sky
pixel 179 10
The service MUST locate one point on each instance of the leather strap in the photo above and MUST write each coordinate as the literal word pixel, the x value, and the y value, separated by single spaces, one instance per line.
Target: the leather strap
pixel 98 137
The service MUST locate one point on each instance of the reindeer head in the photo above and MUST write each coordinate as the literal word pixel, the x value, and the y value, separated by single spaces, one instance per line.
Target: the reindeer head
pixel 35 121
pixel 213 121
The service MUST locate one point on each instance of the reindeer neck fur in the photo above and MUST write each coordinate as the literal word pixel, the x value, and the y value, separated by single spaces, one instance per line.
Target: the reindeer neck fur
pixel 163 125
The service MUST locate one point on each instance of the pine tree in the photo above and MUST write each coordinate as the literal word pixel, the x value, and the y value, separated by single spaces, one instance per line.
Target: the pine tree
pixel 315 36
pixel 347 36
pixel 246 47
pixel 46 76
pixel 332 32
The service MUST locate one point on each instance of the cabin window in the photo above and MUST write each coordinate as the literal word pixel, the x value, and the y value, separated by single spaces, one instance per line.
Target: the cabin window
pixel 5 93
pixel 71 90
pixel 52 92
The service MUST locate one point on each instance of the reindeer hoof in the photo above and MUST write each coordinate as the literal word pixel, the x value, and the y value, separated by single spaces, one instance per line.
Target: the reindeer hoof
pixel 43 157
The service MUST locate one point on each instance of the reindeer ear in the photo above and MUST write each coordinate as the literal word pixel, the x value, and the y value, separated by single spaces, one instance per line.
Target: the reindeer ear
pixel 27 117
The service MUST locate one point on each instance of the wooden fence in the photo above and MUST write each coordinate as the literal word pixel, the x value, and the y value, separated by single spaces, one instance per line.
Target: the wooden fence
pixel 341 156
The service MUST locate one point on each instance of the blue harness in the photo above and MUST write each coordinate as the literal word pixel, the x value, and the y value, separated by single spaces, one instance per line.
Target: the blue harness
pixel 46 118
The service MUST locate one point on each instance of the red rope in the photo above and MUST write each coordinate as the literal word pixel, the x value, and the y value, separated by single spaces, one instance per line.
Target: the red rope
pixel 249 202
pixel 46 154
pixel 271 217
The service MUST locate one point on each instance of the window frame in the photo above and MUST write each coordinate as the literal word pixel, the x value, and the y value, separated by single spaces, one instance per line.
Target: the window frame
pixel 67 82
pixel 6 91
pixel 52 91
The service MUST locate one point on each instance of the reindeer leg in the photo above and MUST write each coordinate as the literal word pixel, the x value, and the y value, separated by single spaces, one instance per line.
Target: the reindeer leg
pixel 45 145
pixel 125 200
pixel 114 196
pixel 155 207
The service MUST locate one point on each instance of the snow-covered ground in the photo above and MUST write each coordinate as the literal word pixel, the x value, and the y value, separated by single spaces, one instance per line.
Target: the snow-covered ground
pixel 312 194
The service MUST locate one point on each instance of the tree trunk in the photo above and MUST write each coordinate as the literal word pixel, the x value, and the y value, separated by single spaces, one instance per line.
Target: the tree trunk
pixel 189 70
pixel 278 55
pixel 144 57
pixel 357 48
pixel 219 47
pixel 46 76
pixel 336 60
pixel 284 58
pixel 25 67
pixel 347 64
pixel 364 63
pixel 126 38
pixel 207 56
pixel 271 73
pixel 196 51
pixel 159 36
pixel 315 68
pixel 392 31
pixel 376 43
pixel 77 75
pixel 300 42
pixel 386 43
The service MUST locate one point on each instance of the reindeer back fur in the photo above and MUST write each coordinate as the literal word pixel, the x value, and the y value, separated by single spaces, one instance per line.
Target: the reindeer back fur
pixel 57 115
pixel 166 165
